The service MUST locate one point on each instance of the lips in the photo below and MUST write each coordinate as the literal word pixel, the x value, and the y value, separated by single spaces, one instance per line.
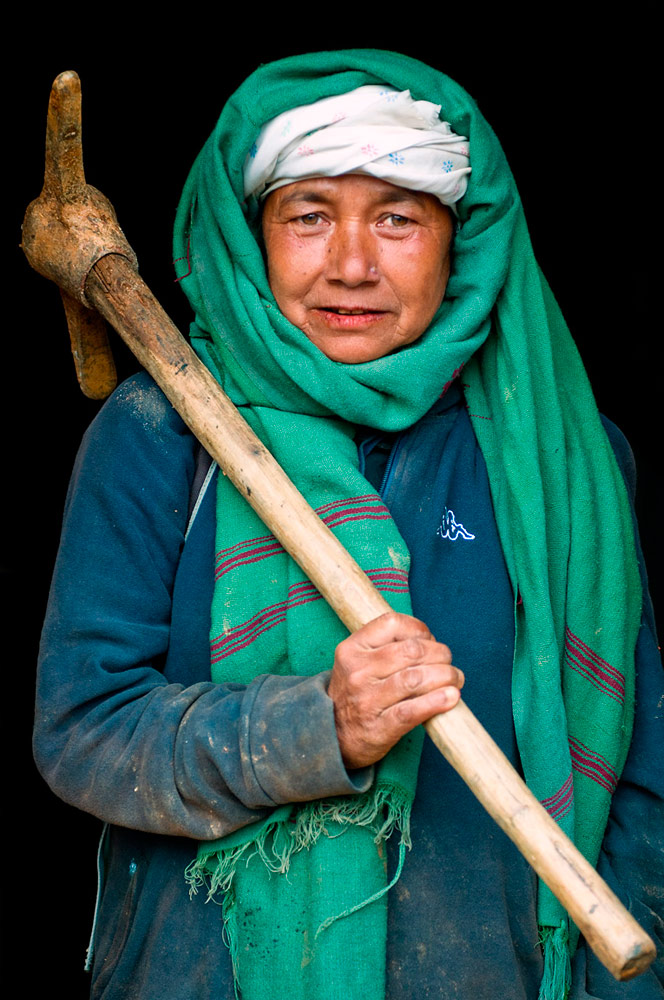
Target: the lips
pixel 349 318
pixel 349 310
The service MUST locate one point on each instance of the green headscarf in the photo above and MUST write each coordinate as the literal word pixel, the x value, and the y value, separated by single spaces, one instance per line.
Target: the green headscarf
pixel 317 928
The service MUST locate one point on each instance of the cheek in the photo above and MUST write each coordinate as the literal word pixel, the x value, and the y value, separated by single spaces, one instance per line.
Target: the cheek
pixel 292 265
pixel 439 261
pixel 419 276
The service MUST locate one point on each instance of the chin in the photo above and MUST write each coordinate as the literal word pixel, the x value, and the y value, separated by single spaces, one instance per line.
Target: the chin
pixel 349 353
pixel 356 354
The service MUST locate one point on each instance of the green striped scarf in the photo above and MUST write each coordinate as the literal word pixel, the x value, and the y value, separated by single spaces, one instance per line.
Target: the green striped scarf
pixel 304 891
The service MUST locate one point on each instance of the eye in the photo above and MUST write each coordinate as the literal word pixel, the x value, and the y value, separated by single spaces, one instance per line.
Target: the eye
pixel 398 221
pixel 395 221
pixel 310 219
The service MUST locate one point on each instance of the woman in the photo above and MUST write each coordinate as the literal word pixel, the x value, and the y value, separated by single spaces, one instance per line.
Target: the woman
pixel 343 345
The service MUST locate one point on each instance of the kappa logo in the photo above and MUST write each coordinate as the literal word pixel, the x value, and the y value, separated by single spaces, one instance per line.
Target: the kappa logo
pixel 450 527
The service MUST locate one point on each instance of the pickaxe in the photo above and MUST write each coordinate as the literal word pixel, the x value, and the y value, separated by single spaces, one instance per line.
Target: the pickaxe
pixel 71 235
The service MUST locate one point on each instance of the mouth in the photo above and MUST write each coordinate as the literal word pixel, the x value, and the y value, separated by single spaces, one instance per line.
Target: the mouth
pixel 355 311
pixel 344 318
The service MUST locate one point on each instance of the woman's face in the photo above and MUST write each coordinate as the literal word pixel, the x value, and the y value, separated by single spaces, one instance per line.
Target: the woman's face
pixel 358 264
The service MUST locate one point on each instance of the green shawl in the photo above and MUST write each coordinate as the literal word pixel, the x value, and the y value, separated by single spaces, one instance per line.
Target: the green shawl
pixel 304 891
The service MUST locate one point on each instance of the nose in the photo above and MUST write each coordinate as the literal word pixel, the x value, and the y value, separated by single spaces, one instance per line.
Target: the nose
pixel 352 256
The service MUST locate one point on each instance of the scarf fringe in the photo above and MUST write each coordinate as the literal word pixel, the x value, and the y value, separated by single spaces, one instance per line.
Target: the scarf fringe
pixel 386 808
pixel 557 975
pixel 278 841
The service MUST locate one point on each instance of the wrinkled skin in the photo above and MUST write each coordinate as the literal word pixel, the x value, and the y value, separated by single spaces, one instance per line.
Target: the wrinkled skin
pixel 361 266
pixel 388 677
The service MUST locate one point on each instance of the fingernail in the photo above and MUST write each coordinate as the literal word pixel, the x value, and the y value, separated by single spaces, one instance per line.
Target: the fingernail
pixel 452 695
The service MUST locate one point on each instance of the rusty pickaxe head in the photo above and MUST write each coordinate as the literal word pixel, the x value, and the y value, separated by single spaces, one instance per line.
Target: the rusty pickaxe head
pixel 67 229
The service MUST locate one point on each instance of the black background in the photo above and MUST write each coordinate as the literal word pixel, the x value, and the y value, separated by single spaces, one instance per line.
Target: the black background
pixel 574 107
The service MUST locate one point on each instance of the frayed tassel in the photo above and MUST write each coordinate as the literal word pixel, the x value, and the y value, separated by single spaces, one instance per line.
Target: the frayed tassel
pixel 229 936
pixel 557 975
pixel 385 808
pixel 216 870
pixel 393 808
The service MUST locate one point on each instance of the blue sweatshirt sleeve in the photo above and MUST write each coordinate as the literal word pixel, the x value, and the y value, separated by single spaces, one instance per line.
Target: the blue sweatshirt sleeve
pixel 632 856
pixel 112 735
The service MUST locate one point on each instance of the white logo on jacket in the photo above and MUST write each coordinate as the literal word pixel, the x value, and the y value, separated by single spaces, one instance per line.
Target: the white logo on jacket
pixel 451 528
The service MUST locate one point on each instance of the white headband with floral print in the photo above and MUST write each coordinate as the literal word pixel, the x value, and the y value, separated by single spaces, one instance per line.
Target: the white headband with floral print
pixel 372 130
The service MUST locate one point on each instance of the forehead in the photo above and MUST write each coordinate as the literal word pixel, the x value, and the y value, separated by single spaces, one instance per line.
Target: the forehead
pixel 346 188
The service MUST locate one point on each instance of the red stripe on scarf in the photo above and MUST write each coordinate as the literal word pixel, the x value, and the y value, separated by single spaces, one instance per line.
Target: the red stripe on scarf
pixel 560 803
pixel 379 514
pixel 583 660
pixel 385 579
pixel 274 614
pixel 242 545
pixel 262 615
pixel 264 546
pixel 365 498
pixel 248 556
pixel 593 765
pixel 394 580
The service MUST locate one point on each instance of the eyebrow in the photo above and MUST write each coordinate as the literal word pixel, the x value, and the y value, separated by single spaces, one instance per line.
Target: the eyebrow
pixel 398 196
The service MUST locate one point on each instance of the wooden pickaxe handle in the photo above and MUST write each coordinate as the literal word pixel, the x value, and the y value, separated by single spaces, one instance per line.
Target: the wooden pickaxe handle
pixel 108 282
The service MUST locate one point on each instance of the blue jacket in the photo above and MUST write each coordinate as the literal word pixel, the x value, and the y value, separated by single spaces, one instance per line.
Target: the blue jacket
pixel 131 728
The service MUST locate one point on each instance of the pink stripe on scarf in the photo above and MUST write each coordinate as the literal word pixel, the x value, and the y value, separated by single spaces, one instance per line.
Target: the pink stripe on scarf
pixel 585 761
pixel 582 659
pixel 560 803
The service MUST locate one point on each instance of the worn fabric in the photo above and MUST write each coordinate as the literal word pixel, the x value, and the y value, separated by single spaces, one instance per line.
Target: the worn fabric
pixel 561 508
pixel 371 130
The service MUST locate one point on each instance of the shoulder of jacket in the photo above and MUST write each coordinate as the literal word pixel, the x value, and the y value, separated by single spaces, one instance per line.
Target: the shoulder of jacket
pixel 136 436
pixel 140 398
pixel 137 411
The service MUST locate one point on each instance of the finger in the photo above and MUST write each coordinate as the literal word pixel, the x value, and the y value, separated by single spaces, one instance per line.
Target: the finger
pixel 390 627
pixel 413 682
pixel 365 696
pixel 366 743
pixel 379 663
pixel 411 712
